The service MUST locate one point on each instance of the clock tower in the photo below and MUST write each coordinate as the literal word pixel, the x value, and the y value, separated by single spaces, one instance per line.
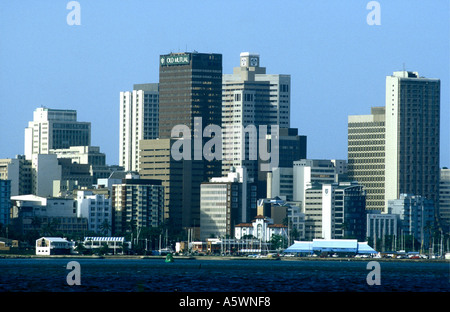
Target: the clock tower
pixel 249 59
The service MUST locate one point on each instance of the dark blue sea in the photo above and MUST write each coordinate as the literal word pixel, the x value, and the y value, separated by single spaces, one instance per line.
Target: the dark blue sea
pixel 154 275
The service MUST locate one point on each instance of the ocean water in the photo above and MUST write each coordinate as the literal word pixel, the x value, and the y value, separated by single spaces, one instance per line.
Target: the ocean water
pixel 154 275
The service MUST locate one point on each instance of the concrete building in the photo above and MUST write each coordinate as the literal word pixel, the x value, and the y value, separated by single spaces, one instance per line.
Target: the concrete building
pixel 444 199
pixel 86 155
pixel 46 246
pixel 381 226
pixel 251 99
pixel 18 171
pixel 306 172
pixel 139 120
pixel 45 168
pixel 335 211
pixel 137 203
pixel 366 155
pixel 416 215
pixel 42 214
pixel 261 228
pixel 280 183
pixel 97 210
pixel 55 129
pixel 225 202
pixel 412 136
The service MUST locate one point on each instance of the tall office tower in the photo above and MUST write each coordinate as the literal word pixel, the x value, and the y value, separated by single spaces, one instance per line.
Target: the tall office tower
pixel 156 162
pixel 366 155
pixel 138 203
pixel 444 199
pixel 55 128
pixel 139 120
pixel 251 98
pixel 412 136
pixel 190 97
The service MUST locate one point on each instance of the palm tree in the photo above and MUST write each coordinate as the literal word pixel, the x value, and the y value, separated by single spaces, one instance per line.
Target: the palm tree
pixel 105 227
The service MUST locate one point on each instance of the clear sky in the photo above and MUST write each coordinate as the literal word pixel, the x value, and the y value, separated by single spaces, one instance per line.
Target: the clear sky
pixel 337 61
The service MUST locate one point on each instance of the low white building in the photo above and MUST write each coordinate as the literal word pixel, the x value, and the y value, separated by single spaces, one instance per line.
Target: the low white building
pixel 116 244
pixel 47 246
pixel 261 228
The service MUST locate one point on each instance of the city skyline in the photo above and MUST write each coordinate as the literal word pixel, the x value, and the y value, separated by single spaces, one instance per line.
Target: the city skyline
pixel 334 57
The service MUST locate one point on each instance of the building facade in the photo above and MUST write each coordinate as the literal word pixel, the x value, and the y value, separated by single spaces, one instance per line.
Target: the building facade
pixel 366 155
pixel 412 136
pixel 96 208
pixel 136 203
pixel 5 201
pixel 55 129
pixel 139 120
pixel 225 202
pixel 251 99
pixel 444 199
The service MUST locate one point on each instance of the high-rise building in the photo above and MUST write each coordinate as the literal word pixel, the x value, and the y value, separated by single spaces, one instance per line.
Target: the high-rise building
pixel 251 98
pixel 156 163
pixel 444 199
pixel 54 129
pixel 96 208
pixel 412 136
pixel 366 155
pixel 139 120
pixel 137 203
pixel 18 171
pixel 190 100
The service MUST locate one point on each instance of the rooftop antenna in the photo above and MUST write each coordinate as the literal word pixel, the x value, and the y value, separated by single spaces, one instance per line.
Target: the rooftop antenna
pixel 404 70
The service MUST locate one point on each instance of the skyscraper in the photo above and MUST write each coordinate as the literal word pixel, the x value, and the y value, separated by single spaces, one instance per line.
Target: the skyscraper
pixel 412 136
pixel 366 155
pixel 190 97
pixel 251 98
pixel 55 129
pixel 139 120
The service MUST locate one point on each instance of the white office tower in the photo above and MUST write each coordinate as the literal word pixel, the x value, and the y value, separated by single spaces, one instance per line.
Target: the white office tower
pixel 54 129
pixel 139 120
pixel 412 136
pixel 250 99
pixel 307 172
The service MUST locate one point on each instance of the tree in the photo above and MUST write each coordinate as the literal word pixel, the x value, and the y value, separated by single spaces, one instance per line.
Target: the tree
pixel 105 227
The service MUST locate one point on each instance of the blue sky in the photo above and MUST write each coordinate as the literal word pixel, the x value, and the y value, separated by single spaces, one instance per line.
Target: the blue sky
pixel 337 61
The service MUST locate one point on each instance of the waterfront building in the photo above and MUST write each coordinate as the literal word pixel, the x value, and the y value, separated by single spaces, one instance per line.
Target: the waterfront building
pixel 383 227
pixel 261 228
pixel 55 129
pixel 225 202
pixel 46 246
pixel 139 120
pixel 444 198
pixel 416 215
pixel 136 203
pixel 115 244
pixel 5 202
pixel 251 98
pixel 366 155
pixel 284 212
pixel 335 211
pixel 46 214
pixel 96 208
pixel 412 136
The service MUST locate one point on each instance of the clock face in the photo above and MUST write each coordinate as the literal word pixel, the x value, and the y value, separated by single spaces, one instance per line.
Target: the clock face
pixel 243 61
pixel 253 61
